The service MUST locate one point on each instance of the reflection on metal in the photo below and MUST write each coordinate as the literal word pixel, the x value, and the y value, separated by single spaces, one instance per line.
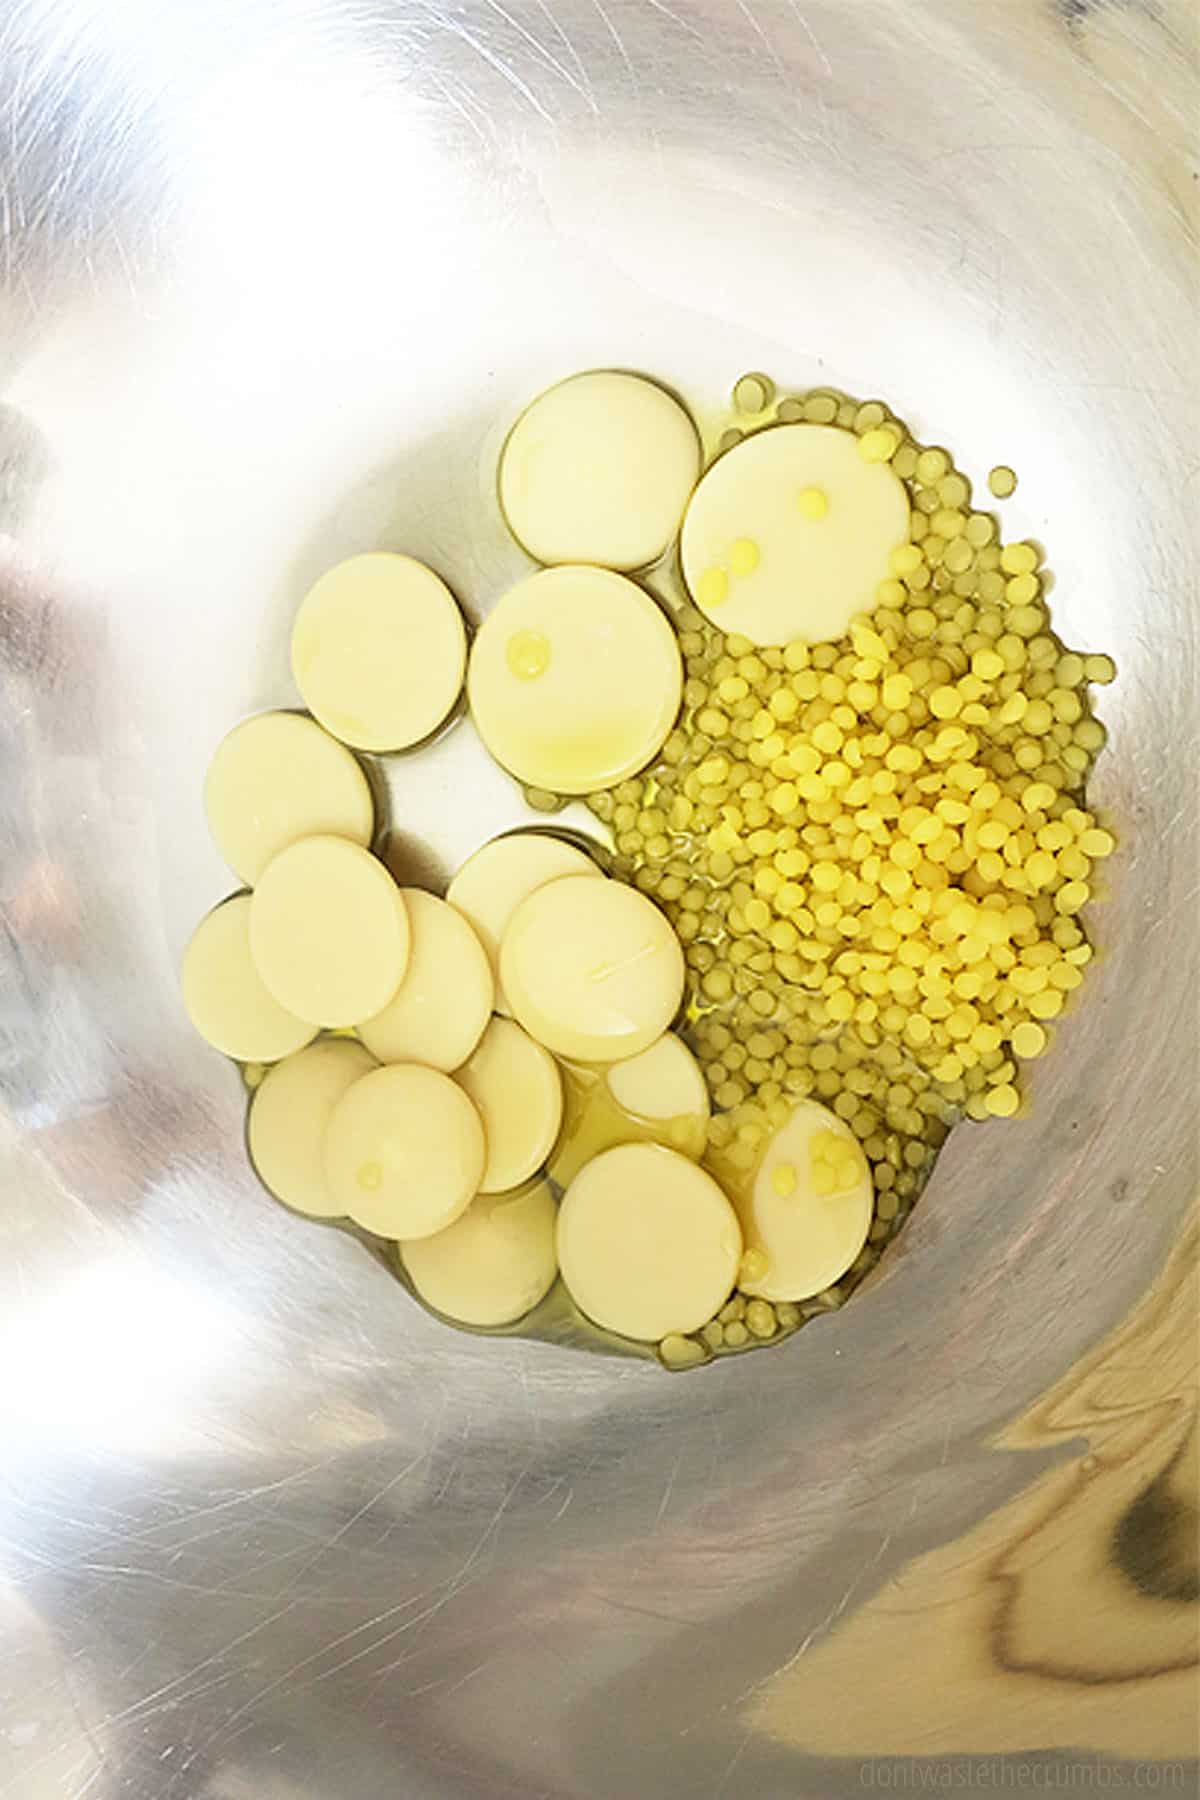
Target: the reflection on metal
pixel 275 277
pixel 1066 1616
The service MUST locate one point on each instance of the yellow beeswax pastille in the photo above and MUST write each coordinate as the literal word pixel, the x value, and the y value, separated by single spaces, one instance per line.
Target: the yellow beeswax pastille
pixel 790 533
pixel 647 1242
pixel 598 470
pixel 279 777
pixel 404 1151
pixel 517 1089
pixel 808 1206
pixel 494 1263
pixel 289 1113
pixel 658 1096
pixel 329 931
pixel 440 1009
pixel 225 996
pixel 592 969
pixel 598 698
pixel 378 651
pixel 494 880
pixel 664 1082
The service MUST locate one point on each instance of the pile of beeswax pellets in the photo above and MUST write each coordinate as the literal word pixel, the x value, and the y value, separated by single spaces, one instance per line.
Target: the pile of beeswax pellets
pixel 875 851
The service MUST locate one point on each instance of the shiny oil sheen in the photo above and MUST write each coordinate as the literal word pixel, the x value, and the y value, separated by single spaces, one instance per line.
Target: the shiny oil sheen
pixel 275 278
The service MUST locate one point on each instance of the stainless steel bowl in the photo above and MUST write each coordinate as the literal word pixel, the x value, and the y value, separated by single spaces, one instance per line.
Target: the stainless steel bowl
pixel 274 276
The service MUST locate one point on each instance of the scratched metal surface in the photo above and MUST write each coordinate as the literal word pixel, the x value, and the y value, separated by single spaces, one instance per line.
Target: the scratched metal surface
pixel 274 275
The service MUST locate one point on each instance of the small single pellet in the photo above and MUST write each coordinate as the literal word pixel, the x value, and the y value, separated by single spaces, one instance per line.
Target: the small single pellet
pixel 753 393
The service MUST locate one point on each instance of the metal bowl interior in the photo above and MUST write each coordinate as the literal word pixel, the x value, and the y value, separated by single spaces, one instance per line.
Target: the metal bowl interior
pixel 276 276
